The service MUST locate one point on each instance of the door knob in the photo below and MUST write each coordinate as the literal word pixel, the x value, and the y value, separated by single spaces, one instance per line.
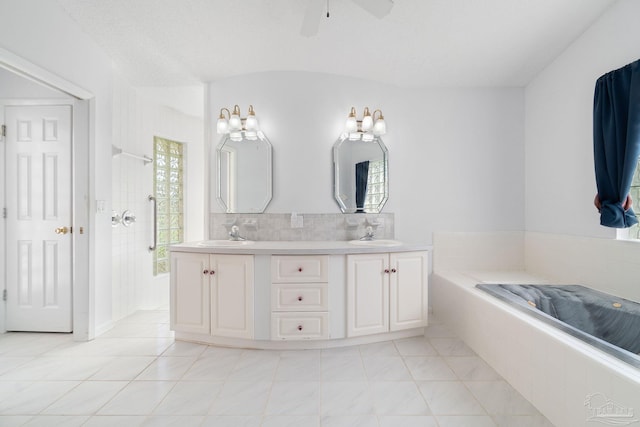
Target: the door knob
pixel 62 230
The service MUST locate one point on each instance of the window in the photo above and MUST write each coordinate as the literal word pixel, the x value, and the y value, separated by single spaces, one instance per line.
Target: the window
pixel 167 184
pixel 634 231
pixel 375 186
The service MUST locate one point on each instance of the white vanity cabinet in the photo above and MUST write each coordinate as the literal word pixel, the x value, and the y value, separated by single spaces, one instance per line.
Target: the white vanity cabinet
pixel 212 294
pixel 299 297
pixel 386 292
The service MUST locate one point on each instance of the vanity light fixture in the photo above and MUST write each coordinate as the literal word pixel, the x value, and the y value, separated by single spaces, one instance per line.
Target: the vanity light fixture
pixel 234 124
pixel 367 128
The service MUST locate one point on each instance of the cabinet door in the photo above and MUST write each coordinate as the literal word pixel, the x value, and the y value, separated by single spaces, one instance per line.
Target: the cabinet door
pixel 232 296
pixel 408 290
pixel 190 292
pixel 367 294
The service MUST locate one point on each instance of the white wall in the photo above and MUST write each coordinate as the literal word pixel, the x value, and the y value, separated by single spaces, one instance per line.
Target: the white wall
pixel 41 32
pixel 138 117
pixel 455 155
pixel 13 86
pixel 560 182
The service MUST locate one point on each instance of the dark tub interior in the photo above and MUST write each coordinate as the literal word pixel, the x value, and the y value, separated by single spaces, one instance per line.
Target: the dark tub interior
pixel 614 320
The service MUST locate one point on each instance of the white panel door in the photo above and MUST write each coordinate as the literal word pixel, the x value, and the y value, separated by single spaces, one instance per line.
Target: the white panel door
pixel 38 244
pixel 408 290
pixel 232 296
pixel 367 294
pixel 190 282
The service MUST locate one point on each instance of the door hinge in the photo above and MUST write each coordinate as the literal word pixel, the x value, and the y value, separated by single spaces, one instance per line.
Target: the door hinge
pixel 4 295
pixel 4 130
pixel 4 213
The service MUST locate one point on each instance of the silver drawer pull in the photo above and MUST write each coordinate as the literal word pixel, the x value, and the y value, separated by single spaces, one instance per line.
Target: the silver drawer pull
pixel 299 327
pixel 300 298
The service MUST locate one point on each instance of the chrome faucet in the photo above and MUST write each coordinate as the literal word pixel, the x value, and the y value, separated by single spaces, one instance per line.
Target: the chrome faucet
pixel 234 234
pixel 368 233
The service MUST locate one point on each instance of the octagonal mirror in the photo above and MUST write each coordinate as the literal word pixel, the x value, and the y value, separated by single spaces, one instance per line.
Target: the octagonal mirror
pixel 361 174
pixel 244 172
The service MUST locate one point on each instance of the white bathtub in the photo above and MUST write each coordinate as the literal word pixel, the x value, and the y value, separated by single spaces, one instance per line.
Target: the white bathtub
pixel 570 382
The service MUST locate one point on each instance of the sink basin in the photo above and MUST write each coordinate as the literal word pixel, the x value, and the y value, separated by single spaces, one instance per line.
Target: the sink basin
pixel 381 242
pixel 213 243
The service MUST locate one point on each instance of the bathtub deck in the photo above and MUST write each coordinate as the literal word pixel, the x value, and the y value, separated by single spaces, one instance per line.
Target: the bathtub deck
pixel 556 372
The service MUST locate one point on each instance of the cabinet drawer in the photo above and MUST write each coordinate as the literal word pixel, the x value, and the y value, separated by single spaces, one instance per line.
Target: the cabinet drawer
pixel 299 268
pixel 299 297
pixel 299 326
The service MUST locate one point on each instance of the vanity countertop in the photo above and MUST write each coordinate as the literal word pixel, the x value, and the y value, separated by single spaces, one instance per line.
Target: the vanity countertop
pixel 298 247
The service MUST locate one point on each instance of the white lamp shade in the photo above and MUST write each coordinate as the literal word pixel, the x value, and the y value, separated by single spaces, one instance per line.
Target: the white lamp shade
pixel 380 127
pixel 367 123
pixel 234 122
pixel 223 126
pixel 251 123
pixel 351 125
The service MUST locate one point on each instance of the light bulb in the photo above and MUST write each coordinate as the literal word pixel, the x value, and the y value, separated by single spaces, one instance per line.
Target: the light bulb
pixel 367 121
pixel 235 123
pixel 223 125
pixel 351 125
pixel 251 123
pixel 380 127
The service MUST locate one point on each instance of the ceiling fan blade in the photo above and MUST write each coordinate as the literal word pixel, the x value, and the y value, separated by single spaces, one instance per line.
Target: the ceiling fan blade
pixel 378 8
pixel 312 17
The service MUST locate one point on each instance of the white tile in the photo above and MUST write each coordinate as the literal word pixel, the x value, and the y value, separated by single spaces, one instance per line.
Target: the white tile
pixel 309 354
pixel 56 421
pixel 182 348
pixel 57 368
pixel 137 398
pixel 31 397
pixel 472 368
pixel 351 421
pixel 294 398
pixel 291 421
pixel 172 421
pixel 398 398
pixel 232 421
pixel 86 398
pixel 438 331
pixel 466 421
pixel 521 421
pixel 417 346
pixel 14 420
pixel 298 369
pixel 212 351
pixel 386 368
pixel 450 398
pixel 451 347
pixel 407 421
pixel 9 363
pixel 115 421
pixel 350 350
pixel 346 398
pixel 386 348
pixel 342 368
pixel 167 368
pixel 241 398
pixel 255 367
pixel 122 368
pixel 498 397
pixel 429 368
pixel 189 398
pixel 211 368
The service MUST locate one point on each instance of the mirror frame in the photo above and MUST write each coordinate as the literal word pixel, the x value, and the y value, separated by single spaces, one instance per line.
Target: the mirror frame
pixel 344 138
pixel 269 194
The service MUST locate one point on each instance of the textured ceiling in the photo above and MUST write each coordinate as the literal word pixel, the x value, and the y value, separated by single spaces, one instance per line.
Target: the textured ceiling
pixel 420 43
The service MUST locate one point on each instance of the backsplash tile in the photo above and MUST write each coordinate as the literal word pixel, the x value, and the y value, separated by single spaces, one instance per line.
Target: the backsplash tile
pixel 276 227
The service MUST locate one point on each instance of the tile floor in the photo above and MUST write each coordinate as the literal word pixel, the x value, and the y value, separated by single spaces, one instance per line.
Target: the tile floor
pixel 137 375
